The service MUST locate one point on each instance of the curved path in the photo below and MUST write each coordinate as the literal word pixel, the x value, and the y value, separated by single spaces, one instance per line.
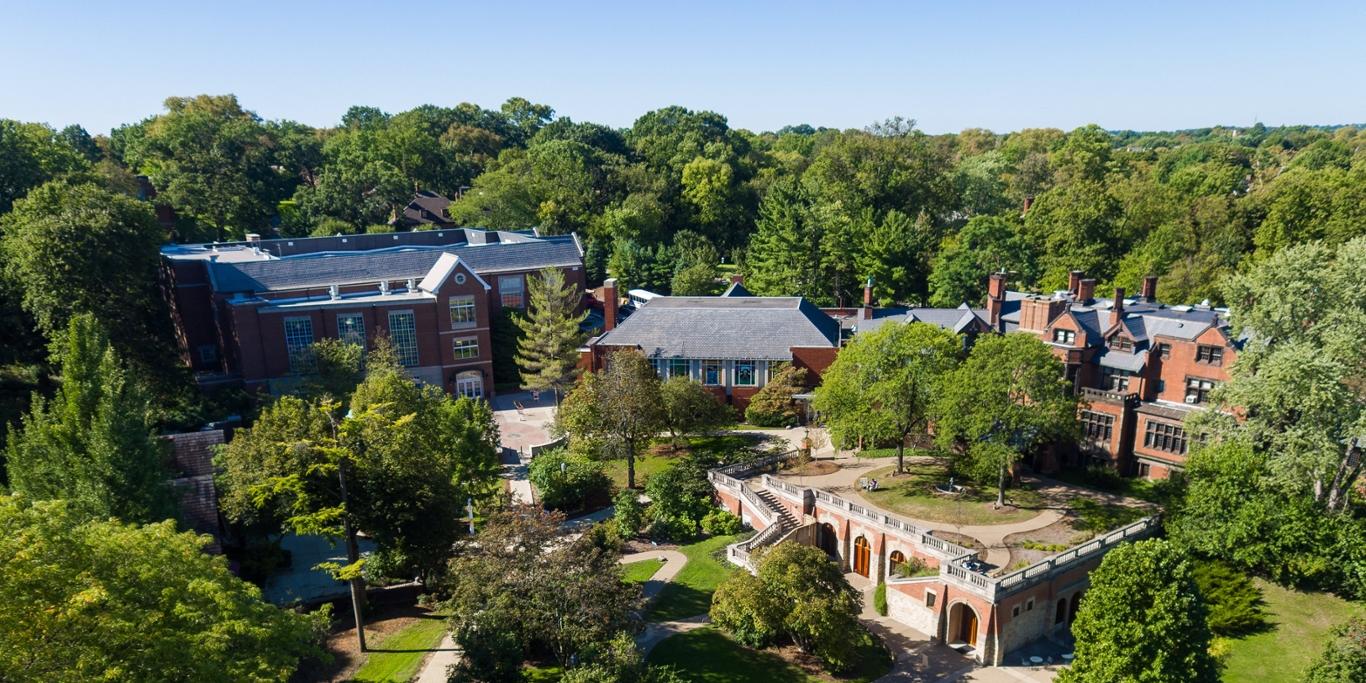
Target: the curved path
pixel 656 632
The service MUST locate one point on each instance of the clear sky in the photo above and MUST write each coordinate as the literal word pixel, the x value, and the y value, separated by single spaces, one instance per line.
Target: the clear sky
pixel 950 64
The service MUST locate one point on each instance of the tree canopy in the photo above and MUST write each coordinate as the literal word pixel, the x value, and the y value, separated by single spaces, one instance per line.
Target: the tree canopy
pixel 617 409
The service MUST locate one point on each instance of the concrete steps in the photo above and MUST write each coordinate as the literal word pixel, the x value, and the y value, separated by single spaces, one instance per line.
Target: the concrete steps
pixel 785 515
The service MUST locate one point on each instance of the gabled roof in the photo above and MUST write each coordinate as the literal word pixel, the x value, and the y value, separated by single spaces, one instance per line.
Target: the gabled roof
pixel 725 328
pixel 343 268
pixel 442 269
pixel 736 289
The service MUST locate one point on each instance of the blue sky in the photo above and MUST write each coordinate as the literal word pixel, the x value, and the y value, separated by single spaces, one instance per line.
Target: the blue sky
pixel 950 65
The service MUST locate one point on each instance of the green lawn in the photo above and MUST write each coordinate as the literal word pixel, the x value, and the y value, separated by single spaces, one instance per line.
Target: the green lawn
pixel 689 594
pixel 542 674
pixel 640 572
pixel 406 649
pixel 645 466
pixel 706 654
pixel 1301 624
pixel 911 495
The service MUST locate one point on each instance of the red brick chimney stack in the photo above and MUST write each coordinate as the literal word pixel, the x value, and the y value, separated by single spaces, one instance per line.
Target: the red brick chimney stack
pixel 1117 310
pixel 609 304
pixel 868 299
pixel 1074 281
pixel 996 298
pixel 737 279
pixel 1150 289
pixel 1086 290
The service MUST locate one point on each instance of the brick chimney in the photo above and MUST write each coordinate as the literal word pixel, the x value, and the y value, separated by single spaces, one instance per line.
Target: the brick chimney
pixel 1086 290
pixel 868 299
pixel 1028 202
pixel 996 298
pixel 737 279
pixel 1117 310
pixel 1074 281
pixel 1149 290
pixel 609 304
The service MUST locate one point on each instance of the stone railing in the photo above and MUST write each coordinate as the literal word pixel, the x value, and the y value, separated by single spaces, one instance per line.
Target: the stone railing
pixel 997 586
pixel 947 549
pixel 773 483
pixel 741 470
pixel 738 553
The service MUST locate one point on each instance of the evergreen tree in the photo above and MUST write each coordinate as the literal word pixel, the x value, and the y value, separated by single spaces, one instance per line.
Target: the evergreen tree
pixel 785 252
pixel 92 443
pixel 548 351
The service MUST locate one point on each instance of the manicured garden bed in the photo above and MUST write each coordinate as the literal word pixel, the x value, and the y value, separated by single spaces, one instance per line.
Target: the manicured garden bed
pixel 912 494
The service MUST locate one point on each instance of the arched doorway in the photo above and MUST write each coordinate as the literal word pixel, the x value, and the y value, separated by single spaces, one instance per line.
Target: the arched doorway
pixel 863 554
pixel 1076 604
pixel 962 625
pixel 828 540
pixel 470 384
pixel 1061 615
pixel 896 559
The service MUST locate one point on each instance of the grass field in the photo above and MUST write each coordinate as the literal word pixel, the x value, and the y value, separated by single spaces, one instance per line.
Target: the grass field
pixel 707 655
pixel 406 649
pixel 640 572
pixel 689 594
pixel 645 466
pixel 1282 653
pixel 911 495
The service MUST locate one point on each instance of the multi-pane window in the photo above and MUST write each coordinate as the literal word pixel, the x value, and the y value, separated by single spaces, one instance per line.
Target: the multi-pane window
pixel 678 367
pixel 403 334
pixel 1064 336
pixel 298 339
pixel 744 373
pixel 661 367
pixel 1144 470
pixel 208 353
pixel 465 347
pixel 1115 379
pixel 1198 390
pixel 511 291
pixel 351 328
pixel 1164 350
pixel 469 384
pixel 462 312
pixel 1097 426
pixel 1119 343
pixel 1165 437
pixel 711 372
pixel 1209 355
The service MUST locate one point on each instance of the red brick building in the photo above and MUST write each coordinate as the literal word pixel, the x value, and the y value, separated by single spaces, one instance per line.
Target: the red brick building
pixel 729 343
pixel 246 312
pixel 1142 367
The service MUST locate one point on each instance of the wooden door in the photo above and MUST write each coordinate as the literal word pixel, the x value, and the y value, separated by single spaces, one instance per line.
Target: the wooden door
pixel 969 629
pixel 862 556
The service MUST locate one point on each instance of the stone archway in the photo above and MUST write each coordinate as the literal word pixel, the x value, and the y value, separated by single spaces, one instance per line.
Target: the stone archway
pixel 1072 611
pixel 963 625
pixel 828 540
pixel 863 555
pixel 896 559
pixel 1060 617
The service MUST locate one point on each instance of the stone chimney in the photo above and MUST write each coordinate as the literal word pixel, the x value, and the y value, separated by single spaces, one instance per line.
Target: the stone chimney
pixel 609 304
pixel 1117 310
pixel 1149 290
pixel 868 299
pixel 996 298
pixel 1086 290
pixel 1074 281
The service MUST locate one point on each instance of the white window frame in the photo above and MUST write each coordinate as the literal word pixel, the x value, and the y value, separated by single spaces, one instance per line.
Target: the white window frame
pixel 351 334
pixel 461 350
pixel 504 291
pixel 296 347
pixel 720 373
pixel 405 349
pixel 686 364
pixel 470 384
pixel 467 317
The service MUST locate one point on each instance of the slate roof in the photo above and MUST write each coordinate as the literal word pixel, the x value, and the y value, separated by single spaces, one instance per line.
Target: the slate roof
pixel 725 328
pixel 1133 362
pixel 425 208
pixel 956 320
pixel 329 268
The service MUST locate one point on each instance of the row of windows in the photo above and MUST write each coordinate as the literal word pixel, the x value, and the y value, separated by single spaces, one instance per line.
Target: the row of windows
pixel 1097 426
pixel 1165 437
pixel 744 373
pixel 351 329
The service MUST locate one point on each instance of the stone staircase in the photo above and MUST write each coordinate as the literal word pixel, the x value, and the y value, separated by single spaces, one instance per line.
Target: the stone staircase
pixel 785 516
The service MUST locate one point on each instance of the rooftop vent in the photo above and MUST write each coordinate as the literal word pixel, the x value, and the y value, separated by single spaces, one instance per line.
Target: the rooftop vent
pixel 412 284
pixel 383 286
pixel 334 292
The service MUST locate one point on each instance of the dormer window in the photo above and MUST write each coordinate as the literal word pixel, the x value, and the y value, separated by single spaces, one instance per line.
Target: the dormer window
pixel 1118 343
pixel 1061 336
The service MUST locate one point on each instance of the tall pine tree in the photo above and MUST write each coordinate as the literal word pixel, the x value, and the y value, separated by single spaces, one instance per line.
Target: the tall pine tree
pixel 92 443
pixel 548 351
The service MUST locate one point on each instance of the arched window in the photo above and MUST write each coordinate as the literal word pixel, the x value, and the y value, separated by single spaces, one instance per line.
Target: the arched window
pixel 470 384
pixel 894 561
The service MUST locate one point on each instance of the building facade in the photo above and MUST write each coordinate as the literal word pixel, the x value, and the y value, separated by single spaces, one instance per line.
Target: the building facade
pixel 247 312
pixel 1142 367
pixel 730 343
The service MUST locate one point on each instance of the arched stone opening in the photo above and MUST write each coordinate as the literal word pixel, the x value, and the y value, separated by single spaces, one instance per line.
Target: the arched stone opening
pixel 1060 616
pixel 1072 611
pixel 962 625
pixel 828 540
pixel 896 559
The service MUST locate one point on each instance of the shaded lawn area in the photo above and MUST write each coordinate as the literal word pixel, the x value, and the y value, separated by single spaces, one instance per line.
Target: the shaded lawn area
pixel 707 654
pixel 542 674
pixel 689 594
pixel 1282 653
pixel 661 454
pixel 912 495
pixel 640 572
pixel 406 647
pixel 646 465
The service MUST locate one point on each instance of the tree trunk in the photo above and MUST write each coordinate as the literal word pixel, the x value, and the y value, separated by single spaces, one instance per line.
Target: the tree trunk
pixel 901 456
pixel 1001 488
pixel 352 556
pixel 630 466
pixel 1349 468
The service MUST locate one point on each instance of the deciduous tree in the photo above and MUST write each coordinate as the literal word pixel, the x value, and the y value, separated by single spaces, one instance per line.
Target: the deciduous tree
pixel 619 407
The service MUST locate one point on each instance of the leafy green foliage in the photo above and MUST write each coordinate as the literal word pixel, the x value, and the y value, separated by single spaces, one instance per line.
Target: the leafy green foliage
pixel 568 481
pixel 619 408
pixel 628 515
pixel 104 600
pixel 1344 657
pixel 93 442
pixel 773 405
pixel 1142 619
pixel 720 522
pixel 1234 601
pixel 690 408
pixel 880 599
pixel 680 498
pixel 619 661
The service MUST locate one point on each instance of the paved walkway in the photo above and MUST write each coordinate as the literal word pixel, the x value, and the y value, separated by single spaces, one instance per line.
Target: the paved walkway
pixel 518 430
pixel 434 669
pixel 673 563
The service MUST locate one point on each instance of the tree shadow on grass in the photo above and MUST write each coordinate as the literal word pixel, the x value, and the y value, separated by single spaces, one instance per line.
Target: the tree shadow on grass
pixel 677 601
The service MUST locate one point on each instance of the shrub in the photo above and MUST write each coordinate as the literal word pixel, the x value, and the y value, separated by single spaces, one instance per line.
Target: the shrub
pixel 720 522
pixel 569 482
pixel 672 528
pixel 1234 601
pixel 773 405
pixel 680 497
pixel 742 607
pixel 1344 657
pixel 629 514
pixel 913 567
pixel 880 599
